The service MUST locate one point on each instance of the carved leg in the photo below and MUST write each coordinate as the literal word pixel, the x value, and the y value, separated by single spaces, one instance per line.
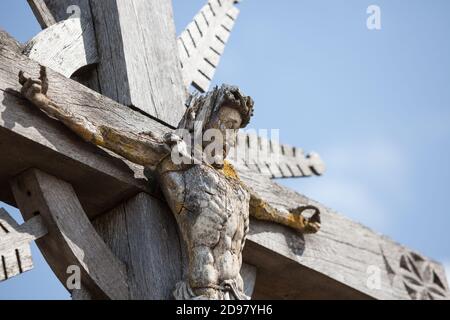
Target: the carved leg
pixel 203 274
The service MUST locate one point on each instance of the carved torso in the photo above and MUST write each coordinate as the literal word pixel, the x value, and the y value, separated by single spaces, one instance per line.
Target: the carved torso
pixel 212 210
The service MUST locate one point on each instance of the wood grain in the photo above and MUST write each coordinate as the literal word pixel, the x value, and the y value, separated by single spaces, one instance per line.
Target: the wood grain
pixel 65 47
pixel 33 139
pixel 139 67
pixel 64 9
pixel 42 13
pixel 143 233
pixel 138 58
pixel 9 43
pixel 72 240
pixel 139 64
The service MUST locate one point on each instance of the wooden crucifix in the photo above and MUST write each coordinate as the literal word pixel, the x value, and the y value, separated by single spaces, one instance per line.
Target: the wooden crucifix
pixel 105 215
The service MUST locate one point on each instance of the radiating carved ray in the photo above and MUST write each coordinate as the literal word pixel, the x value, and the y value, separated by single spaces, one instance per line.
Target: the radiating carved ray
pixel 15 252
pixel 202 43
pixel 268 157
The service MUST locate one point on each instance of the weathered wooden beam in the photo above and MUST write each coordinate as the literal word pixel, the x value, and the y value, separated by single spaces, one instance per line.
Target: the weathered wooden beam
pixel 42 13
pixel 143 234
pixel 139 64
pixel 34 140
pixel 139 67
pixel 71 240
pixel 65 9
pixel 121 75
pixel 200 46
pixel 70 45
pixel 65 47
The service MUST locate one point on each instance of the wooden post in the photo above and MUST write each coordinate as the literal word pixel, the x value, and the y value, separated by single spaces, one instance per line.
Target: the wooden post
pixel 143 234
pixel 139 67
pixel 139 64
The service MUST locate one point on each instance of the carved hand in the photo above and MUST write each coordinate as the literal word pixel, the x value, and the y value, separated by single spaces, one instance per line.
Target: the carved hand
pixel 310 224
pixel 35 90
pixel 178 145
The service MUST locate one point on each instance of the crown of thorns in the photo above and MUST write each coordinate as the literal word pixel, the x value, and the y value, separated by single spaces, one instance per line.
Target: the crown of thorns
pixel 233 98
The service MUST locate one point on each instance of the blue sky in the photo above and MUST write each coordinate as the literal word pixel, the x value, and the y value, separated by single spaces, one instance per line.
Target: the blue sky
pixel 374 104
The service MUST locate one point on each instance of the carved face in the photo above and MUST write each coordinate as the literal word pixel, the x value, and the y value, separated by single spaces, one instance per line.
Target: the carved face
pixel 228 118
pixel 228 121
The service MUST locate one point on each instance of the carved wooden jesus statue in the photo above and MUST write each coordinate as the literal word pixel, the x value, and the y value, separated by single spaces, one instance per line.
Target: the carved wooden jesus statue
pixel 209 201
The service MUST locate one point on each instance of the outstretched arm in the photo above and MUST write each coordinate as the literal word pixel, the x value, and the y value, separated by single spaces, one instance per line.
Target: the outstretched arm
pixel 305 219
pixel 144 149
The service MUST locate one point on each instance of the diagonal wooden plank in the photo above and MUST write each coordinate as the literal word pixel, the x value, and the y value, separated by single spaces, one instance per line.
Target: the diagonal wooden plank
pixel 42 13
pixel 65 9
pixel 203 41
pixel 72 240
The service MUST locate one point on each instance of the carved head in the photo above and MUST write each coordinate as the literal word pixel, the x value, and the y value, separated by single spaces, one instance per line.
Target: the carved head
pixel 224 110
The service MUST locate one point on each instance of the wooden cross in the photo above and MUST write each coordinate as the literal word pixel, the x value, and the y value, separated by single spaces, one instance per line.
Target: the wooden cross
pixel 97 211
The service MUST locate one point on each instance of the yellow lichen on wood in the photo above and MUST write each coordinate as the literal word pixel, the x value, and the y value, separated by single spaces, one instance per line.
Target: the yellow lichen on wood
pixel 229 171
